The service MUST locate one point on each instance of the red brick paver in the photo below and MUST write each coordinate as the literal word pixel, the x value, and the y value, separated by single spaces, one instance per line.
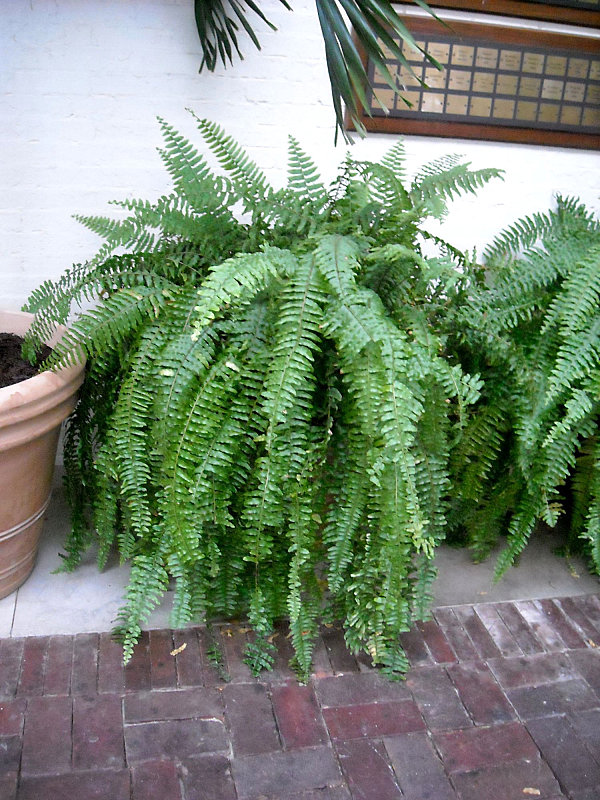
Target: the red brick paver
pixel 156 780
pixel 298 716
pixel 419 769
pixel 502 701
pixel 368 771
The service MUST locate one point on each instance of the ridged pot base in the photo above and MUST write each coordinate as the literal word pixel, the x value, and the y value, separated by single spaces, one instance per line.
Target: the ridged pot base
pixel 18 551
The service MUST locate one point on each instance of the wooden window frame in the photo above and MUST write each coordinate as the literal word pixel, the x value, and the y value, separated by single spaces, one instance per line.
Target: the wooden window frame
pixel 437 126
pixel 550 12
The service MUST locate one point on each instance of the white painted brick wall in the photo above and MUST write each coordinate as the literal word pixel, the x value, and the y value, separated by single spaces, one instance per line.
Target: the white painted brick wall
pixel 82 81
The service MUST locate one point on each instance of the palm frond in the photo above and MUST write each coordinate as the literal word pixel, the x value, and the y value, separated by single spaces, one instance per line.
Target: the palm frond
pixel 380 32
pixel 218 24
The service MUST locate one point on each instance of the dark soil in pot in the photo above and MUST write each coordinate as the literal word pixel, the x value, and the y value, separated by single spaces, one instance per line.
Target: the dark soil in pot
pixel 13 368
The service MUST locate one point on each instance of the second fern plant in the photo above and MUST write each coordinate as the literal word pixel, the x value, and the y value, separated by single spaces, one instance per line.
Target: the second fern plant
pixel 531 452
pixel 269 409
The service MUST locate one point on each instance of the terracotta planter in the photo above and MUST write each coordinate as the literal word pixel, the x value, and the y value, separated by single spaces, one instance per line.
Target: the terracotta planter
pixel 31 413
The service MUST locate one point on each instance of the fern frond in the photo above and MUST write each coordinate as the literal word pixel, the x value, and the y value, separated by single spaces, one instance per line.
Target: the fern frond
pixel 569 218
pixel 116 320
pixel 345 517
pixel 239 280
pixel 130 442
pixel 85 431
pixel 233 159
pixel 575 360
pixel 285 398
pixel 441 182
pixel 304 596
pixel 579 299
pixel 527 513
pixel 191 423
pixel 190 173
pixel 303 176
pixel 147 584
pixel 590 530
pixel 395 159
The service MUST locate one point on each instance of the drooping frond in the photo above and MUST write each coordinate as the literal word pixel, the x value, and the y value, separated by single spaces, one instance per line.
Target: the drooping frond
pixel 569 217
pixel 380 31
pixel 118 318
pixel 579 299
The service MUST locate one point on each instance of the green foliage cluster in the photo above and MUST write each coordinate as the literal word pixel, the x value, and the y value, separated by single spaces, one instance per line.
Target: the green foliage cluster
pixel 271 408
pixel 531 450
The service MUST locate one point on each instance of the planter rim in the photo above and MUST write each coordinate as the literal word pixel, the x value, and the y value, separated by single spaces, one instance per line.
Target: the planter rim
pixel 33 396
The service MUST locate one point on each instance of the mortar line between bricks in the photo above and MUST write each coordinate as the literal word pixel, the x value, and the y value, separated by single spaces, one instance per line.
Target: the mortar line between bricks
pixel 589 617
pixel 229 732
pixel 73 731
pixel 312 684
pixel 428 648
pixel 125 761
pixel 279 734
pixel 429 732
pixel 178 668
pixel 45 660
pixel 460 700
pixel 20 771
pixel 438 753
pixel 580 675
pixel 542 758
pixel 525 623
pixel 387 761
pixel 504 691
pixel 414 700
pixel 510 633
pixel 72 666
pixel 477 647
pixel 336 754
pixel 594 756
pixel 182 790
pixel 578 628
pixel 97 663
pixel 464 629
pixel 20 671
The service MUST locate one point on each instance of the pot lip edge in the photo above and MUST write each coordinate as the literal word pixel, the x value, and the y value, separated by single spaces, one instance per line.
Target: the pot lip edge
pixel 40 385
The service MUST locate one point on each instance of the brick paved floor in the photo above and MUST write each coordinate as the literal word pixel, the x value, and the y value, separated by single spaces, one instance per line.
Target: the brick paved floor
pixel 502 702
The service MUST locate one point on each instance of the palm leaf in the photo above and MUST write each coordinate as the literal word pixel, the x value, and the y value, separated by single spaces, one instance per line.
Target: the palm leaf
pixel 376 26
pixel 218 30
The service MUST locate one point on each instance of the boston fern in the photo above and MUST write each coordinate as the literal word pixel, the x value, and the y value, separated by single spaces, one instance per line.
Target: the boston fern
pixel 531 449
pixel 269 410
